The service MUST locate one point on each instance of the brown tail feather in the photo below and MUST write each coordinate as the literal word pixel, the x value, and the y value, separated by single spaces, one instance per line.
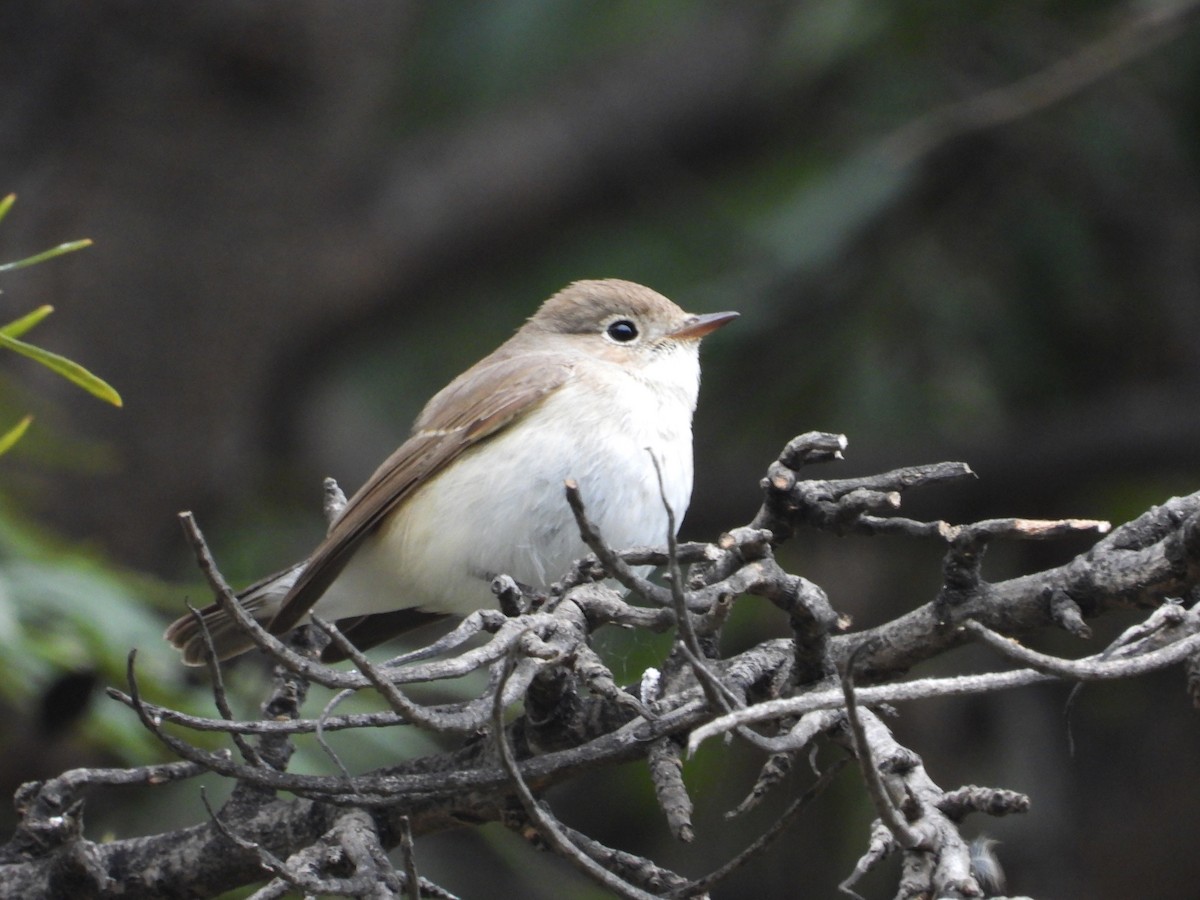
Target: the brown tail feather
pixel 187 634
pixel 260 599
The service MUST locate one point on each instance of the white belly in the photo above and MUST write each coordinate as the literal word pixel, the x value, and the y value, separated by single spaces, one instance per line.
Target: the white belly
pixel 500 508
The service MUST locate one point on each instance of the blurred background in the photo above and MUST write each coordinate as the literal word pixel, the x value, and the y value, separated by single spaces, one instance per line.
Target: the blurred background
pixel 954 231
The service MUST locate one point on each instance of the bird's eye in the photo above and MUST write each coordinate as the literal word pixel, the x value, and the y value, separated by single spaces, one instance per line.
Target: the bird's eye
pixel 622 331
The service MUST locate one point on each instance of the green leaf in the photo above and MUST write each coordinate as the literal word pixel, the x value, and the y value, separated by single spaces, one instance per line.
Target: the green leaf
pixel 19 326
pixel 46 254
pixel 6 205
pixel 14 434
pixel 69 370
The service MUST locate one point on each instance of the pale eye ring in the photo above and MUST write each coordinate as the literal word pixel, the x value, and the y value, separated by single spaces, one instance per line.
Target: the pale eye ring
pixel 622 331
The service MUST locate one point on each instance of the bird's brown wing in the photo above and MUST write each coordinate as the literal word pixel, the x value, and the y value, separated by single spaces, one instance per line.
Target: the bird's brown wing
pixel 482 401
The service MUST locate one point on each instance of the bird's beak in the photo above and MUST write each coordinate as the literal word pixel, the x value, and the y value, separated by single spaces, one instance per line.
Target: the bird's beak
pixel 696 327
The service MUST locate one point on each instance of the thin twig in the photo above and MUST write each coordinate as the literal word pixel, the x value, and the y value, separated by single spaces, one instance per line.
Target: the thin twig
pixel 267 642
pixel 260 726
pixel 612 561
pixel 413 712
pixel 249 753
pixel 719 696
pixel 1095 668
pixel 266 858
pixel 323 741
pixel 917 689
pixel 546 826
pixel 407 853
pixel 888 814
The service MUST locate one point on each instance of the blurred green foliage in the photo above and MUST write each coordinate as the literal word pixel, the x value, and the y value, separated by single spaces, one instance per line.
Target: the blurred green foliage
pixel 11 333
pixel 62 609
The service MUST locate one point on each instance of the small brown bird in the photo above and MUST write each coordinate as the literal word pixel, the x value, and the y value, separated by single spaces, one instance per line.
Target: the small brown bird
pixel 603 375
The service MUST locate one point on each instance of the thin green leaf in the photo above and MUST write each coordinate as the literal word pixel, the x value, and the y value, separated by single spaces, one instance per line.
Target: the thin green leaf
pixel 6 205
pixel 46 254
pixel 18 327
pixel 69 370
pixel 14 434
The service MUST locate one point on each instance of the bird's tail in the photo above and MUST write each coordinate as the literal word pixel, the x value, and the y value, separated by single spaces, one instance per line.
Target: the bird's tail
pixel 261 600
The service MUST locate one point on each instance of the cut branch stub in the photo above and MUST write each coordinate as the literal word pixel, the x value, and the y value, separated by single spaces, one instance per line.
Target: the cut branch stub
pixel 844 505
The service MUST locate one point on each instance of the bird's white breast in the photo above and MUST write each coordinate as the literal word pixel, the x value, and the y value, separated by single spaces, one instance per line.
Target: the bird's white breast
pixel 500 507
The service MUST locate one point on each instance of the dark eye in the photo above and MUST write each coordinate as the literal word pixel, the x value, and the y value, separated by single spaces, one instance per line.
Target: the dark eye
pixel 622 331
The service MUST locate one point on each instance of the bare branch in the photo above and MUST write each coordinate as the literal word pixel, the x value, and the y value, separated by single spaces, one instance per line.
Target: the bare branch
pixel 332 835
pixel 904 836
pixel 1096 668
pixel 666 774
pixel 832 698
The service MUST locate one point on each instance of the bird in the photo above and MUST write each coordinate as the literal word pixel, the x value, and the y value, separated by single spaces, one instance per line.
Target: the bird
pixel 598 385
